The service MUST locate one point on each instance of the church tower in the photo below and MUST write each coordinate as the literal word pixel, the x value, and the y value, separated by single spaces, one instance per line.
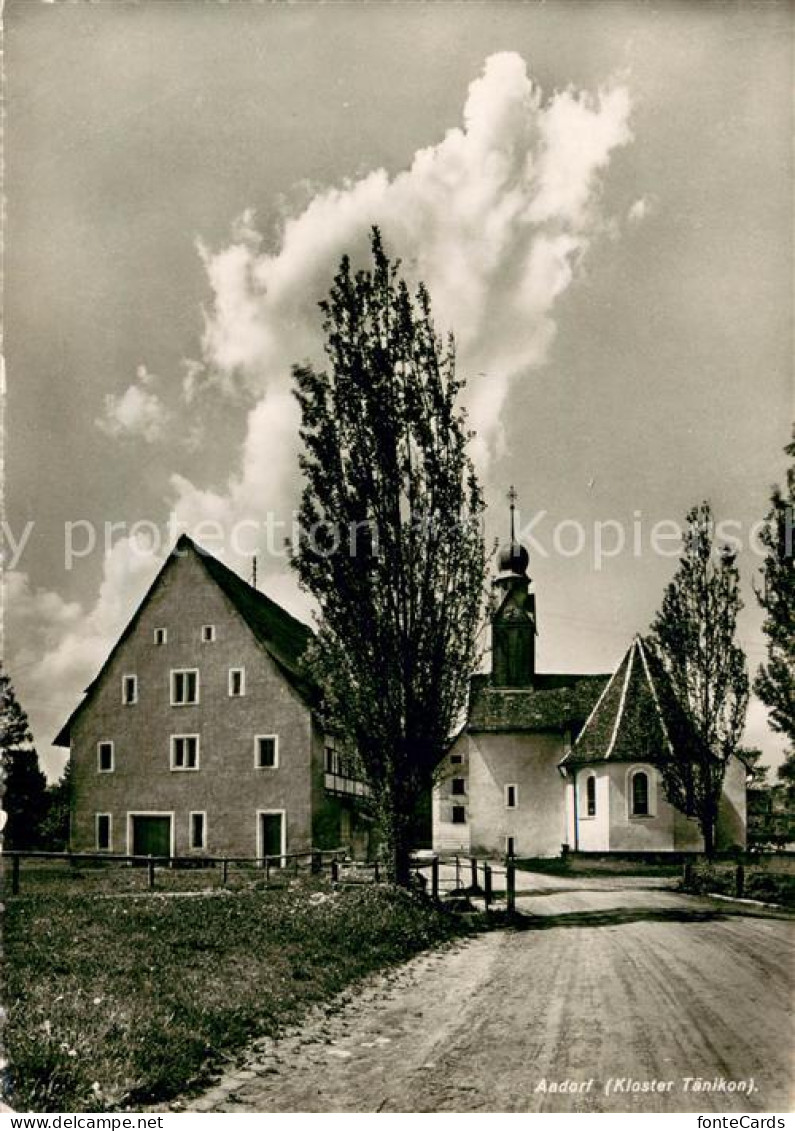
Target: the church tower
pixel 513 624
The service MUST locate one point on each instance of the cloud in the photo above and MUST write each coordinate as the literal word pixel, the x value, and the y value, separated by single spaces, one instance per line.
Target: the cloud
pixel 496 218
pixel 137 412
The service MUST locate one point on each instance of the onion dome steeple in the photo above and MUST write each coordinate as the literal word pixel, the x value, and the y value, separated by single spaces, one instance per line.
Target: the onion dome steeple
pixel 513 624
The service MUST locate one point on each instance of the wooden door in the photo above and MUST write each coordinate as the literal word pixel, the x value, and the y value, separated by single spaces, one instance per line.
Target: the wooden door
pixel 151 836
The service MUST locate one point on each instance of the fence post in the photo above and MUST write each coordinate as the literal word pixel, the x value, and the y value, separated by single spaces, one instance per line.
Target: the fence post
pixel 224 872
pixel 457 872
pixel 267 870
pixel 473 864
pixel 317 862
pixel 487 885
pixel 335 870
pixel 435 878
pixel 740 881
pixel 510 884
pixel 377 873
pixel 687 874
pixel 151 870
pixel 15 875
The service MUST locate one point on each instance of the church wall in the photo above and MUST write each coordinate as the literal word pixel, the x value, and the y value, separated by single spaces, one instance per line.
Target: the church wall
pixel 528 761
pixel 593 833
pixel 652 833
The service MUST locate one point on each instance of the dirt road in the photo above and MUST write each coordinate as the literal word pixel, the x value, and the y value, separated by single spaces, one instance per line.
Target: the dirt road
pixel 637 998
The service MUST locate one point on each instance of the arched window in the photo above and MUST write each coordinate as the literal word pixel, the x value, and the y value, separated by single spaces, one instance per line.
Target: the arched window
pixel 590 796
pixel 640 794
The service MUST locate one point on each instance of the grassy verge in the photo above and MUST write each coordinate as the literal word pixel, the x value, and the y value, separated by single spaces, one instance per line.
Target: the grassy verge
pixel 764 883
pixel 113 1003
pixel 576 867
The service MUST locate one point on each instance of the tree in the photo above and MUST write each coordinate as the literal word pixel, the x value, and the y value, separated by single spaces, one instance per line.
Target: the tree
pixel 705 682
pixel 391 542
pixel 775 680
pixel 755 772
pixel 24 784
pixel 14 729
pixel 54 832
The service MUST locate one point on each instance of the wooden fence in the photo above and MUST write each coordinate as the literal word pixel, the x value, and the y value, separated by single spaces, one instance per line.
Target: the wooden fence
pixel 315 859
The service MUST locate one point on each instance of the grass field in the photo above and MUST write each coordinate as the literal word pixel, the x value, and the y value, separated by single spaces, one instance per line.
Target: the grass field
pixel 115 1002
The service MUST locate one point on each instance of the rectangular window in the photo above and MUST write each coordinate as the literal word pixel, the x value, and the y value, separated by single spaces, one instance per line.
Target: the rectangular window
pixel 266 751
pixel 456 759
pixel 590 796
pixel 198 830
pixel 184 752
pixel 510 846
pixel 129 689
pixel 334 762
pixel 161 635
pixel 459 815
pixel 105 761
pixel 208 633
pixel 104 835
pixel 511 796
pixel 237 682
pixel 458 787
pixel 184 687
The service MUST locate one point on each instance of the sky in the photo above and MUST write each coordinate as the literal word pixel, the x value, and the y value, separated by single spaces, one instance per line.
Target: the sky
pixel 598 196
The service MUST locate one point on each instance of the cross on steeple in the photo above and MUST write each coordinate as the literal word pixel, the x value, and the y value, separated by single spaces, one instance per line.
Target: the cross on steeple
pixel 512 497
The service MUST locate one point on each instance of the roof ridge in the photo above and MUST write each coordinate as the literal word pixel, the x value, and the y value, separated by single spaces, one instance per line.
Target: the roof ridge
pixel 595 708
pixel 629 655
pixel 653 690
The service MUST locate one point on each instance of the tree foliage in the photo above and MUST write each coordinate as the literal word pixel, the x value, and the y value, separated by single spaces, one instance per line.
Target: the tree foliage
pixel 391 545
pixel 705 681
pixel 775 680
pixel 14 729
pixel 54 832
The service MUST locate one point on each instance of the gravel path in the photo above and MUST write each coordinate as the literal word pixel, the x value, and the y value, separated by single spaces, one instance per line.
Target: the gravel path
pixel 632 997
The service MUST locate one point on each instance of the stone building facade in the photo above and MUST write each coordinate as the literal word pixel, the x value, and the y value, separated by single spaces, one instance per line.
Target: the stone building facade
pixel 200 734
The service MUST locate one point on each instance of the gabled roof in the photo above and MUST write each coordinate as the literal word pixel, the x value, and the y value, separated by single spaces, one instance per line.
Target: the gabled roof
pixel 627 724
pixel 553 702
pixel 281 635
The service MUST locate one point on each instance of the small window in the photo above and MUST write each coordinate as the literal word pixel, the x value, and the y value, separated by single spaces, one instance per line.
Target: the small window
pixel 458 787
pixel 237 682
pixel 161 635
pixel 590 796
pixel 510 846
pixel 456 759
pixel 333 761
pixel 640 794
pixel 266 747
pixel 184 687
pixel 459 815
pixel 105 761
pixel 208 633
pixel 511 796
pixel 104 835
pixel 198 824
pixel 129 689
pixel 185 752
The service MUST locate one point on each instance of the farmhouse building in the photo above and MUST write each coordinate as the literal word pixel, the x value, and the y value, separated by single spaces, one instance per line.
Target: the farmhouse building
pixel 200 734
pixel 547 760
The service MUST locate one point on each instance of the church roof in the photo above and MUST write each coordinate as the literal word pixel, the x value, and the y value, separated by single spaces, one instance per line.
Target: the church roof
pixel 282 636
pixel 627 723
pixel 553 702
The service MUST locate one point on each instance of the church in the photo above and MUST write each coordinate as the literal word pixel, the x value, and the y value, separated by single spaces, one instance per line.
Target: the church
pixel 548 762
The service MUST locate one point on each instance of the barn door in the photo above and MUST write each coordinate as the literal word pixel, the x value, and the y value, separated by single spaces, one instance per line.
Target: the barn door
pixel 151 836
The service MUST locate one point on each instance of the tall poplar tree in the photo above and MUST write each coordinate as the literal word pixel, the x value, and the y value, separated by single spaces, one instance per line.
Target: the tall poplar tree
pixel 706 681
pixel 391 546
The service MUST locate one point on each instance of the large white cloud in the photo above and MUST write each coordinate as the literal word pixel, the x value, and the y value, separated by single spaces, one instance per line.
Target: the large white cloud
pixel 495 218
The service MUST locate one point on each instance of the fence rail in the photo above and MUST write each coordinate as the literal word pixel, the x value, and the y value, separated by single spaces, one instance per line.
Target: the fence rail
pixel 315 858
